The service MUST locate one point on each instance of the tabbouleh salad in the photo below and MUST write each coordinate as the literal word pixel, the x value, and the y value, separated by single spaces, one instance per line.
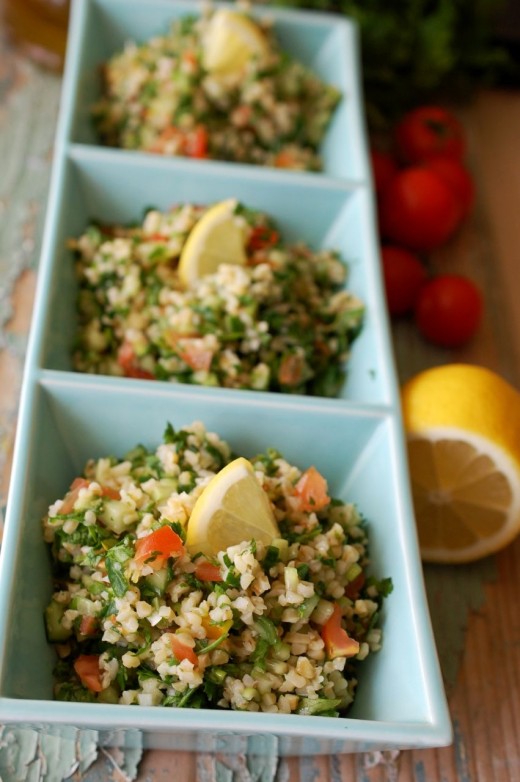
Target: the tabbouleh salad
pixel 137 619
pixel 282 322
pixel 160 97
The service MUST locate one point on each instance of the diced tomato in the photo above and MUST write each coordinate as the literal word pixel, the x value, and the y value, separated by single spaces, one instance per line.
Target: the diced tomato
pixel 337 641
pixel 73 494
pixel 214 631
pixel 183 651
pixel 189 58
pixel 169 134
pixel 291 370
pixel 312 490
pixel 285 159
pixel 353 587
pixel 193 143
pixel 262 237
pixel 157 547
pixel 140 374
pixel 75 488
pixel 196 143
pixel 126 356
pixel 193 352
pixel 88 625
pixel 197 359
pixel 157 237
pixel 127 360
pixel 241 115
pixel 87 668
pixel 207 571
pixel 322 347
pixel 112 494
pixel 79 483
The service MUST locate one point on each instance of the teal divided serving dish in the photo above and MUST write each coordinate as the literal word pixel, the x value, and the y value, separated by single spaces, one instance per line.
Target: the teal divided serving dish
pixel 115 189
pixel 355 440
pixel 327 45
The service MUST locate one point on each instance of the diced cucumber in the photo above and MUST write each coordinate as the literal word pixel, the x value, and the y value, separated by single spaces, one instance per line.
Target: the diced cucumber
pixel 109 695
pixel 85 606
pixel 291 579
pixel 162 489
pixel 158 581
pixel 92 586
pixel 282 546
pixel 56 633
pixel 306 608
pixel 117 516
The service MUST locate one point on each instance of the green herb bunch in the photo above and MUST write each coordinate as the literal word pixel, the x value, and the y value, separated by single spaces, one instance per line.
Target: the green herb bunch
pixel 415 51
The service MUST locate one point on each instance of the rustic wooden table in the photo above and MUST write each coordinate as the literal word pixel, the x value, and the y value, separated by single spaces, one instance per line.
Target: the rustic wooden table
pixel 473 607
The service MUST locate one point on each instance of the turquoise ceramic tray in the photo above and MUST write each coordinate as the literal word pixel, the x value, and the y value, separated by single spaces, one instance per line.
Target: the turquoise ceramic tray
pixel 356 441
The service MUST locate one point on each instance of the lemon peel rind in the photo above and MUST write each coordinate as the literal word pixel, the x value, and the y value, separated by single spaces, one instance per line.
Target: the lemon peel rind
pixel 469 396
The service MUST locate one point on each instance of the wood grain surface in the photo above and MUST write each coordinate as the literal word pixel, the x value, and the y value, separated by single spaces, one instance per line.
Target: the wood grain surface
pixel 474 608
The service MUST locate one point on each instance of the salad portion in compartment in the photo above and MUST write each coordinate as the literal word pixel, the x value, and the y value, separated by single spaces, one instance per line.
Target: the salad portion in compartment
pixel 212 295
pixel 218 85
pixel 187 576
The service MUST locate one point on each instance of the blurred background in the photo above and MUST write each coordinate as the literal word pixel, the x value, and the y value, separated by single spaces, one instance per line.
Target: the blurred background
pixel 413 50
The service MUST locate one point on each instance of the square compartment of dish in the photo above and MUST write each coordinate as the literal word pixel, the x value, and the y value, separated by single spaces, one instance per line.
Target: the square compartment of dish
pixel 100 185
pixel 400 700
pixel 326 43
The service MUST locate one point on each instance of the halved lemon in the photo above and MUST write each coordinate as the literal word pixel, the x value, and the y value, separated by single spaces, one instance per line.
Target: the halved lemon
pixel 463 435
pixel 230 41
pixel 218 237
pixel 232 508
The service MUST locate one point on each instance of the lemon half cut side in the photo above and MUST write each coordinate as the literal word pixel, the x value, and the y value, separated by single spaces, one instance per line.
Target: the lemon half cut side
pixel 466 495
pixel 463 438
pixel 232 508
pixel 218 237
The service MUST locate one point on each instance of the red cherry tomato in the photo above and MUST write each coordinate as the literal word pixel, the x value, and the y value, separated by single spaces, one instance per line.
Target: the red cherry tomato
pixel 427 131
pixel 404 275
pixel 384 169
pixel 458 179
pixel 448 310
pixel 418 209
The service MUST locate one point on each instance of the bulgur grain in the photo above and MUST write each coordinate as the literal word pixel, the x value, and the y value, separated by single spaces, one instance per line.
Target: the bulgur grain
pixel 161 635
pixel 160 98
pixel 274 324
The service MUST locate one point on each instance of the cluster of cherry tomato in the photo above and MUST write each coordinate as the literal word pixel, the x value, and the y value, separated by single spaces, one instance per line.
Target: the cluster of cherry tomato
pixel 424 193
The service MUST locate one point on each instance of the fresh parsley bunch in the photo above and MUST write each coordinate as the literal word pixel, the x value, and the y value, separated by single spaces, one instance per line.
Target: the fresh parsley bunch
pixel 415 51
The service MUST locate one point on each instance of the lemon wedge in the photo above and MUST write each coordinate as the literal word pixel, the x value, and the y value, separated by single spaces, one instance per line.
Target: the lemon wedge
pixel 218 237
pixel 232 508
pixel 463 435
pixel 230 41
